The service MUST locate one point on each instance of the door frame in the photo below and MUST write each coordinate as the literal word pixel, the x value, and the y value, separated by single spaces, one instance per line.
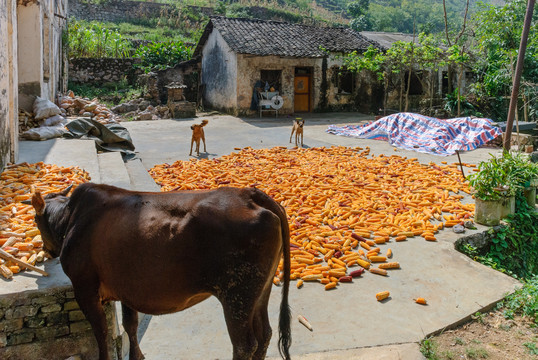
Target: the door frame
pixel 309 75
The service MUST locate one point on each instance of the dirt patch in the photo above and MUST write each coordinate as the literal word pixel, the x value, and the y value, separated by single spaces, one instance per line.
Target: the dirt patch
pixel 490 336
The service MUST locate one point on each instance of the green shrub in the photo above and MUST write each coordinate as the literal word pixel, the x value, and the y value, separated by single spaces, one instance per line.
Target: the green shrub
pixel 162 55
pixel 93 40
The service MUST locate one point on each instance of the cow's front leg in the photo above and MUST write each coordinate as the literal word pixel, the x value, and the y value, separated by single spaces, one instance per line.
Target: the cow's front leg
pixel 88 299
pixel 130 324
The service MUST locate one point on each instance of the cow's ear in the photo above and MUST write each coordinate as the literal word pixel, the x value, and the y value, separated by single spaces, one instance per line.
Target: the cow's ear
pixel 38 203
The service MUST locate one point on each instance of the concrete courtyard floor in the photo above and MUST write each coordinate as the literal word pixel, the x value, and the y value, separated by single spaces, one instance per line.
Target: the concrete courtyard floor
pixel 348 323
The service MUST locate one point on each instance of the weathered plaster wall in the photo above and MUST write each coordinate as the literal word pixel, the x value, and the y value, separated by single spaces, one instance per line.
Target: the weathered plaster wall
pixel 220 74
pixel 249 67
pixel 13 88
pixel 8 82
pixel 41 60
pixel 30 53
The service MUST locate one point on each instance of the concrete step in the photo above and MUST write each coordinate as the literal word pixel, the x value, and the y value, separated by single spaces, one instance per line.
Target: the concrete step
pixel 62 152
pixel 139 177
pixel 112 170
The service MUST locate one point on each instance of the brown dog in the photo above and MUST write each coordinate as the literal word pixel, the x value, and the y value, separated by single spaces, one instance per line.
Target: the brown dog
pixel 298 130
pixel 197 135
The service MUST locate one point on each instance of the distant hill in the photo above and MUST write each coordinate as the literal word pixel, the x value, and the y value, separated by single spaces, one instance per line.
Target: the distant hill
pixel 185 20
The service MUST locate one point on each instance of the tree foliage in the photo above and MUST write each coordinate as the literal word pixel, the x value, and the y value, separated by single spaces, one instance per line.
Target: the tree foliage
pixel 497 34
pixel 399 15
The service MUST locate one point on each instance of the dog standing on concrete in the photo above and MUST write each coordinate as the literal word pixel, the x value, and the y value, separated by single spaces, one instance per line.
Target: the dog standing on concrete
pixel 298 130
pixel 197 135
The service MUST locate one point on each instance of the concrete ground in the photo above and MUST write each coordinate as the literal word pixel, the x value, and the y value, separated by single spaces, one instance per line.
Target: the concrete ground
pixel 348 323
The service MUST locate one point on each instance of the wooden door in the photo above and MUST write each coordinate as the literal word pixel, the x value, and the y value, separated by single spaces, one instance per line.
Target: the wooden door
pixel 302 93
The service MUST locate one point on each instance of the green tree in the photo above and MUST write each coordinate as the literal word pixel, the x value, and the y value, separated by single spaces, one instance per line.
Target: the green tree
pixel 498 33
pixel 359 12
pixel 429 58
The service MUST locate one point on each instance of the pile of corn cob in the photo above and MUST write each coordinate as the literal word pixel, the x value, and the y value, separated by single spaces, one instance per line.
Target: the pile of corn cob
pixel 19 235
pixel 341 203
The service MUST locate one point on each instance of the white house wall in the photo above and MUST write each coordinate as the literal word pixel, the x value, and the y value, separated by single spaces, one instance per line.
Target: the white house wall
pixel 249 67
pixel 8 82
pixel 219 74
pixel 31 62
pixel 40 27
pixel 30 49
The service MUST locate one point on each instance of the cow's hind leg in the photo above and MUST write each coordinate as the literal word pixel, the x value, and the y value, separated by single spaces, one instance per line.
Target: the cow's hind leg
pixel 262 327
pixel 239 323
pixel 88 299
pixel 130 324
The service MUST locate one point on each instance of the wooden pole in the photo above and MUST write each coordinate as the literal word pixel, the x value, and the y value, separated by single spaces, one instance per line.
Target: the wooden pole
pixel 517 76
pixel 7 256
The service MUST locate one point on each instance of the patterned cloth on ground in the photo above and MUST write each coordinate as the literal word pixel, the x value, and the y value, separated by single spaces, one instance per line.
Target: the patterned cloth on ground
pixel 425 134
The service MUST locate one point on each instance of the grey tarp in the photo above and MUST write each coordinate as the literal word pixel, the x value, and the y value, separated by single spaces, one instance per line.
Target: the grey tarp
pixel 109 137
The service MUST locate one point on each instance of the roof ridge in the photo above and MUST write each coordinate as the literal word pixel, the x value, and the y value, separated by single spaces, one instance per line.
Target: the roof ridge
pixel 279 22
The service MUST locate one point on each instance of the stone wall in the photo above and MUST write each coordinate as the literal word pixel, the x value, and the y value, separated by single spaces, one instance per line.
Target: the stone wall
pixel 48 324
pixel 115 11
pixel 100 71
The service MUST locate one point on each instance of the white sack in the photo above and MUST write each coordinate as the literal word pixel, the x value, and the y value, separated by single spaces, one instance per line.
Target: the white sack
pixel 44 109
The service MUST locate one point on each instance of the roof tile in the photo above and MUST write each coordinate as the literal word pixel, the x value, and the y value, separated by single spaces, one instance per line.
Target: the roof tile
pixel 261 37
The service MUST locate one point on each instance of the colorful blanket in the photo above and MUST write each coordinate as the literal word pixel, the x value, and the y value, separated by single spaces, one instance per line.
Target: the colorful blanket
pixel 425 134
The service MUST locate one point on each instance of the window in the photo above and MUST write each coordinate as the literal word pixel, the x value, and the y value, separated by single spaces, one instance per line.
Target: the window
pixel 346 82
pixel 271 77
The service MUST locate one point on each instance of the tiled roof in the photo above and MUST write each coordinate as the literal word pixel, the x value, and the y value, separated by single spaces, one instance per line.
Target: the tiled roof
pixel 261 37
pixel 386 39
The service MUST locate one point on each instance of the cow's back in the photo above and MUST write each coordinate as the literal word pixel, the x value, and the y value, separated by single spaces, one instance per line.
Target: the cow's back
pixel 162 252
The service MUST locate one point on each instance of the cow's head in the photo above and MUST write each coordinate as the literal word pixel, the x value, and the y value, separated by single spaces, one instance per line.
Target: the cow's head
pixel 49 217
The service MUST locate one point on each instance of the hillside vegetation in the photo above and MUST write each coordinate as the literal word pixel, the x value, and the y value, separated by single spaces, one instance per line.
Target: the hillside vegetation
pixel 184 20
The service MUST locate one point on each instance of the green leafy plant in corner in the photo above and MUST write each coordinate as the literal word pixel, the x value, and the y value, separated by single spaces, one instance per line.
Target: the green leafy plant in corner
pixel 531 348
pixel 451 104
pixel 428 348
pixel 507 173
pixel 478 316
pixel 524 301
pixel 157 56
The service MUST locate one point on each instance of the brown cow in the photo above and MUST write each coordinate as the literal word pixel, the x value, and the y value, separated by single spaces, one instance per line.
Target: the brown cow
pixel 160 253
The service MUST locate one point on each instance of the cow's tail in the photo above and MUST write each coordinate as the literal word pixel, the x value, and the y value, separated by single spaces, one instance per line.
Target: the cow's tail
pixel 284 321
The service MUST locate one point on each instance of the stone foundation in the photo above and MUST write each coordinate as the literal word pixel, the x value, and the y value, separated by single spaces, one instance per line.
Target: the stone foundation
pixel 45 322
pixel 182 109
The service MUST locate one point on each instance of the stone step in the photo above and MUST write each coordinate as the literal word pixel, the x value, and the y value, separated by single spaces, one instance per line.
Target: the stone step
pixel 62 152
pixel 112 170
pixel 139 177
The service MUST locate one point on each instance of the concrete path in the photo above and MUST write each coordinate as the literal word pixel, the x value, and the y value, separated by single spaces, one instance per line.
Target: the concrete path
pixel 343 320
pixel 348 323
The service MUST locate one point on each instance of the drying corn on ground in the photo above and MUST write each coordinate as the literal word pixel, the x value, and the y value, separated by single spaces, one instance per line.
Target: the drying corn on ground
pixel 343 206
pixel 19 235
